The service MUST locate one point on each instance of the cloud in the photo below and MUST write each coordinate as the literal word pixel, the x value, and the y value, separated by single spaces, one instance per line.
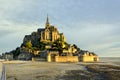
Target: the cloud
pixel 23 11
pixel 92 25
pixel 12 34
pixel 17 19
pixel 7 27
pixel 95 37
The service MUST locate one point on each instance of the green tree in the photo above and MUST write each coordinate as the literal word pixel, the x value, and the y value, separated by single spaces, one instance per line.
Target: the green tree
pixel 59 44
pixel 28 44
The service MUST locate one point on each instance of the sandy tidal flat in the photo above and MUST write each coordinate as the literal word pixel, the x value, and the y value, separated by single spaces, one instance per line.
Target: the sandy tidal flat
pixel 61 71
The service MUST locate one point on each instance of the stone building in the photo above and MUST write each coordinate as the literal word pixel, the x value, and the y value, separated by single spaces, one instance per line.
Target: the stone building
pixel 70 49
pixel 47 34
pixel 25 54
pixel 8 56
pixel 86 56
pixel 54 56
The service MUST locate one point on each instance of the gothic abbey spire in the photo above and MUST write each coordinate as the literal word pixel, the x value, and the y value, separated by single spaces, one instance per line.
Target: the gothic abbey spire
pixel 47 20
pixel 47 23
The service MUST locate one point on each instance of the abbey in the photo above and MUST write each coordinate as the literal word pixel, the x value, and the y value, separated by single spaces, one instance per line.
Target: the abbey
pixel 48 34
pixel 49 44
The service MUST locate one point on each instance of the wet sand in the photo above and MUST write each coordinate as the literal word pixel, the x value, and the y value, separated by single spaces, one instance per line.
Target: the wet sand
pixel 27 70
pixel 38 70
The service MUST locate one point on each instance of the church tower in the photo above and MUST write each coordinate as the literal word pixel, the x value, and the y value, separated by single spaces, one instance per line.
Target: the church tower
pixel 47 23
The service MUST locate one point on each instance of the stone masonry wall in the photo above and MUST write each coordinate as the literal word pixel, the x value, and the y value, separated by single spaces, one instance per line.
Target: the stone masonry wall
pixel 66 59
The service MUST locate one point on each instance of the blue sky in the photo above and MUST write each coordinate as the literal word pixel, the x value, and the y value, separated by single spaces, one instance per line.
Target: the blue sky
pixel 93 25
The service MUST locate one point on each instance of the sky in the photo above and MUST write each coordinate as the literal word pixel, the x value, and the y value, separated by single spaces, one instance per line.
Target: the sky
pixel 92 25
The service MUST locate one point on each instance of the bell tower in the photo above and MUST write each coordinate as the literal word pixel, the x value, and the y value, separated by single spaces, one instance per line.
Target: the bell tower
pixel 47 23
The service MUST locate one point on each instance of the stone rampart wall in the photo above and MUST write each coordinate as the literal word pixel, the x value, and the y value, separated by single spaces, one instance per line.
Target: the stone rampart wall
pixel 66 59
